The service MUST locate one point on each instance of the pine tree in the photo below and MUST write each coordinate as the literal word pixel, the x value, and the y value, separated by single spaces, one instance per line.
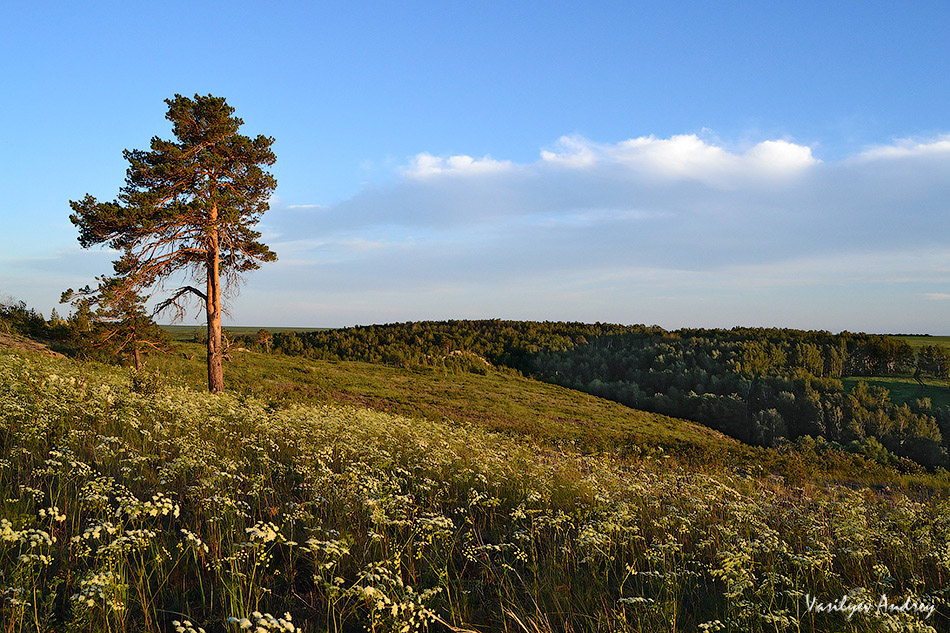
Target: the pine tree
pixel 116 323
pixel 189 206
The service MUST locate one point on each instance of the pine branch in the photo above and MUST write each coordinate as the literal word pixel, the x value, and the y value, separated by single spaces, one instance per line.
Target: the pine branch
pixel 173 300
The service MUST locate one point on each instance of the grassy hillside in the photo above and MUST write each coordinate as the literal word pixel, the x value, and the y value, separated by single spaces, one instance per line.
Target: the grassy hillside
pixel 763 386
pixel 504 402
pixel 128 511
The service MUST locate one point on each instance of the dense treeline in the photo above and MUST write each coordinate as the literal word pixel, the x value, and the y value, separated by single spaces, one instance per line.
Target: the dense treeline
pixel 759 385
pixel 17 318
pixel 511 344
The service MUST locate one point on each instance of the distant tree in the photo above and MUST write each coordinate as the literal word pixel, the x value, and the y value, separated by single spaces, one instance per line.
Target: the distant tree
pixel 17 318
pixel 189 207
pixel 808 357
pixel 264 339
pixel 768 427
pixel 57 327
pixel 934 361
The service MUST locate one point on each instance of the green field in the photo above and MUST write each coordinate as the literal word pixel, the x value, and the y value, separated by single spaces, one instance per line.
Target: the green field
pixel 904 389
pixel 923 341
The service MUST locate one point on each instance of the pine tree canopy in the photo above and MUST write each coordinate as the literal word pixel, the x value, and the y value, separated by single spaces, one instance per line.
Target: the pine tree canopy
pixel 180 194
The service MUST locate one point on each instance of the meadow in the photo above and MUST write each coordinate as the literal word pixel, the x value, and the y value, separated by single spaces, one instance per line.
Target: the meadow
pixel 141 504
pixel 921 341
pixel 761 386
pixel 502 401
pixel 905 388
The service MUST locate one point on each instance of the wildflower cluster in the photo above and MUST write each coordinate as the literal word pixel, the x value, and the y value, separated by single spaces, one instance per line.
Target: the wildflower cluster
pixel 394 604
pixel 265 622
pixel 185 626
pixel 263 531
pixel 102 589
pixel 159 505
pixel 192 540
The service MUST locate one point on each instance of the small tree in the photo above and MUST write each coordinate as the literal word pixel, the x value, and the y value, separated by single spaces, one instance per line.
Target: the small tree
pixel 119 324
pixel 188 207
pixel 933 360
pixel 264 339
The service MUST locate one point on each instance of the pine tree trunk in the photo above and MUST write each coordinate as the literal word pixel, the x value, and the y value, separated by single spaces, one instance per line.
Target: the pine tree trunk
pixel 135 348
pixel 215 353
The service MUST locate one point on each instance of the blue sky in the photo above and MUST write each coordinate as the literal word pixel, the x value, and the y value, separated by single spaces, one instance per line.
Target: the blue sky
pixel 685 164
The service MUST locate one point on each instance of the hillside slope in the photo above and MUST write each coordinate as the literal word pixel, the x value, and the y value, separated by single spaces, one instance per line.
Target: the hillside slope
pixel 498 401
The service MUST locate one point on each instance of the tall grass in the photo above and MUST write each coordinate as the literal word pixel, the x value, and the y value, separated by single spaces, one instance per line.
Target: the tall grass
pixel 183 511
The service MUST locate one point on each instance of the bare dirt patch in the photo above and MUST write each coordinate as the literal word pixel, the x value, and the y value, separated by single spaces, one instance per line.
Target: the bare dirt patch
pixel 21 342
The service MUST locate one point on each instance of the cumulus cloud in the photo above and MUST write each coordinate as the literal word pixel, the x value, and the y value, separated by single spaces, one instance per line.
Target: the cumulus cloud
pixel 424 165
pixel 572 151
pixel 907 148
pixel 683 156
pixel 680 199
pixel 780 157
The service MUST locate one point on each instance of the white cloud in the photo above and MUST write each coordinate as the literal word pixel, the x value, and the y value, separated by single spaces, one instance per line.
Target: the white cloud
pixel 684 156
pixel 780 157
pixel 937 296
pixel 906 148
pixel 572 151
pixel 425 164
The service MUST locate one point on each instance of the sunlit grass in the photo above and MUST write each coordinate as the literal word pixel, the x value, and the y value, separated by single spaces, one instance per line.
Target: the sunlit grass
pixel 499 401
pixel 923 341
